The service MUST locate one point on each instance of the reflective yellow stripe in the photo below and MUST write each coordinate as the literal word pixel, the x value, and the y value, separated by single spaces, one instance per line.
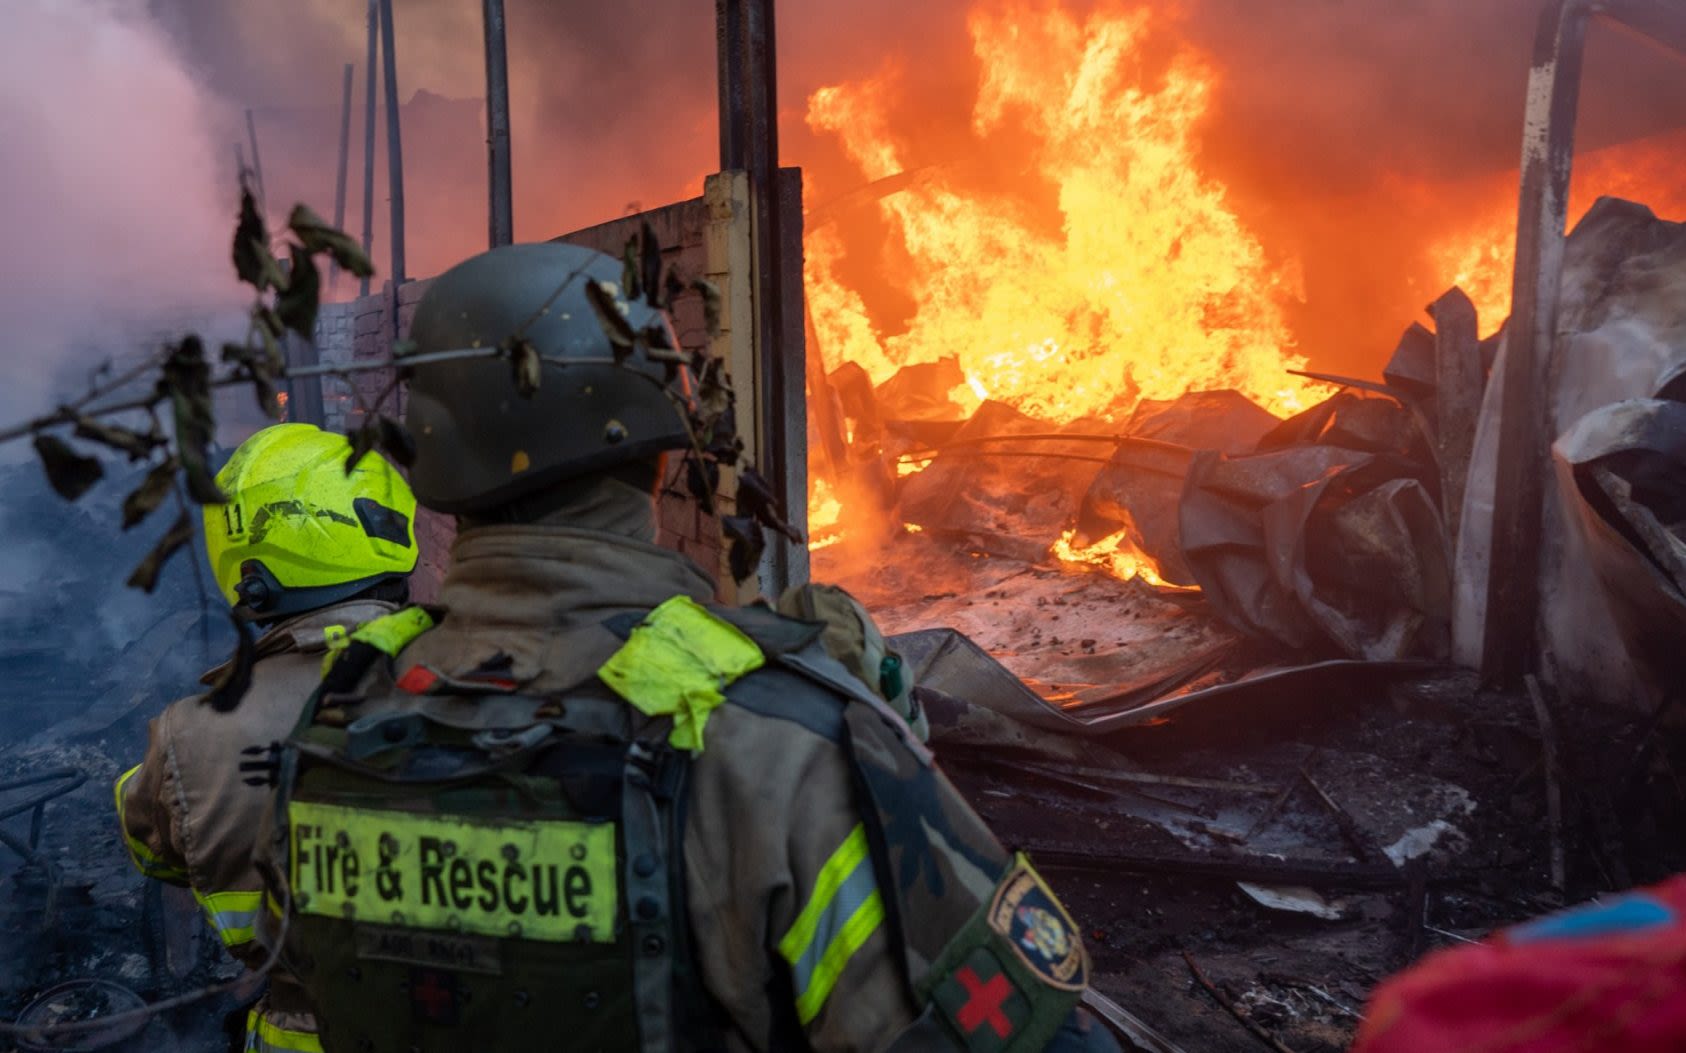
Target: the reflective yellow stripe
pixel 263 1036
pixel 843 911
pixel 678 663
pixel 860 926
pixel 390 633
pixel 337 639
pixel 145 860
pixel 233 914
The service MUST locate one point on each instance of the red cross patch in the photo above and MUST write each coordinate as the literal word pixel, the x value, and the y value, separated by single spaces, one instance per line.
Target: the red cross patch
pixel 982 1003
pixel 433 997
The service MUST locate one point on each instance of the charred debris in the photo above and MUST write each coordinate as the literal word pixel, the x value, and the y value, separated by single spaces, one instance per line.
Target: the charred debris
pixel 1257 769
pixel 1259 772
pixel 1260 781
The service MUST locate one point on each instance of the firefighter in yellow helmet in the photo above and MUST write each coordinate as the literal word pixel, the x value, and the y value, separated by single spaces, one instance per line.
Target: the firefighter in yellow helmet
pixel 307 553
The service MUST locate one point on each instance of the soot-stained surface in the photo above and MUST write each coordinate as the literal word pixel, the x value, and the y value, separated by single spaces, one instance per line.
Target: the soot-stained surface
pixel 1069 633
pixel 1445 829
pixel 87 662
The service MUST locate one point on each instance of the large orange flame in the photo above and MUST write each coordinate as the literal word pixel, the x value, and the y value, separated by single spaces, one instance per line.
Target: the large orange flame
pixel 1111 268
pixel 1147 286
pixel 1479 256
pixel 1151 287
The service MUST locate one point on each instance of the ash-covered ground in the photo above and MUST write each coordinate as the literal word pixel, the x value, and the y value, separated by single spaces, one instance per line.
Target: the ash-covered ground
pixel 1351 824
pixel 1354 821
pixel 87 662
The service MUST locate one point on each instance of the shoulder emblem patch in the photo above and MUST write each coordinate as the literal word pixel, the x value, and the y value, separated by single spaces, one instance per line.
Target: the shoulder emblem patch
pixel 1032 922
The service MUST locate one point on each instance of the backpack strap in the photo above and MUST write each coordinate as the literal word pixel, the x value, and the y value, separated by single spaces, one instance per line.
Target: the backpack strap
pixel 677 663
pixel 351 655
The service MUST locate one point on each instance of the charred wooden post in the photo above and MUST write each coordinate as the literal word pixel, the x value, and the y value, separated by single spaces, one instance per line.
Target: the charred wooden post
pixel 822 403
pixel 1458 387
pixel 369 145
pixel 788 381
pixel 748 98
pixel 1509 641
pixel 1519 489
pixel 502 220
pixel 345 161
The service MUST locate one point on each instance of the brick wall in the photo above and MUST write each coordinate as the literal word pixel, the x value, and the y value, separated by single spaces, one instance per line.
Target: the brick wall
pixel 682 231
pixel 360 330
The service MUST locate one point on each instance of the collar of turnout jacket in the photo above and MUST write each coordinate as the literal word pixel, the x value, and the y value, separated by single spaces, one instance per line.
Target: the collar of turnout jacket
pixel 526 603
pixel 309 633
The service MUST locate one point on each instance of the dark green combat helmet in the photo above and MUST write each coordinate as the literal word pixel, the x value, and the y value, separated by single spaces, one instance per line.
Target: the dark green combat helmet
pixel 480 441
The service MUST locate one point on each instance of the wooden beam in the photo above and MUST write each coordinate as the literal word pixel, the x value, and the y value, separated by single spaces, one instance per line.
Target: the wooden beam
pixel 1458 388
pixel 1510 621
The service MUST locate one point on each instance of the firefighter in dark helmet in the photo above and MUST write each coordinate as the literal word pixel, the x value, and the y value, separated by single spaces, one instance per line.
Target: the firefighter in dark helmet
pixel 589 810
pixel 309 552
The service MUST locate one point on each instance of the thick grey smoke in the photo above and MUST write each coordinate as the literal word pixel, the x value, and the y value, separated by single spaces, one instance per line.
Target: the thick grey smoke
pixel 115 208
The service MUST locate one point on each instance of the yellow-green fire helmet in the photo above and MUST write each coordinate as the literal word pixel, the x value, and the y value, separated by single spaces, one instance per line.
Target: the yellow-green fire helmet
pixel 298 531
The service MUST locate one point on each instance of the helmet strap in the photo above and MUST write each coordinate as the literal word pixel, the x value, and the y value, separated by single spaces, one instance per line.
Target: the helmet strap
pixel 263 599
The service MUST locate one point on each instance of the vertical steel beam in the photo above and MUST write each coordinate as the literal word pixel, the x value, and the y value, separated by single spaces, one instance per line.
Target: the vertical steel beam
pixel 502 219
pixel 728 27
pixel 749 141
pixel 394 148
pixel 344 165
pixel 1510 623
pixel 369 144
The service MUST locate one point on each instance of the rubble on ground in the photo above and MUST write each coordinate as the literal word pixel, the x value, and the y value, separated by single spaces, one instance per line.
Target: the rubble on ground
pixel 88 662
pixel 1252 770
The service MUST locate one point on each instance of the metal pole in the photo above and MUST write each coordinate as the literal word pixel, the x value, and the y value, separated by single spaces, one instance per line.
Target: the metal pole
pixel 257 163
pixel 1510 623
pixel 502 225
pixel 394 146
pixel 749 140
pixel 728 24
pixel 369 147
pixel 345 162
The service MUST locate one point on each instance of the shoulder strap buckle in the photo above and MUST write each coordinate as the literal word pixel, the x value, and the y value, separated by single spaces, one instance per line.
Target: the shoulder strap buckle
pixel 367 736
pixel 660 770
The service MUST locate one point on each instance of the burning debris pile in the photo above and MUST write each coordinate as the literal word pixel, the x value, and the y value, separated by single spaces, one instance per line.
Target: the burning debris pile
pixel 1209 647
pixel 1178 607
pixel 1110 383
pixel 1091 366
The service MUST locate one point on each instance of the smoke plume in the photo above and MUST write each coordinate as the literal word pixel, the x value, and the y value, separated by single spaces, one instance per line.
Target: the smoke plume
pixel 115 210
